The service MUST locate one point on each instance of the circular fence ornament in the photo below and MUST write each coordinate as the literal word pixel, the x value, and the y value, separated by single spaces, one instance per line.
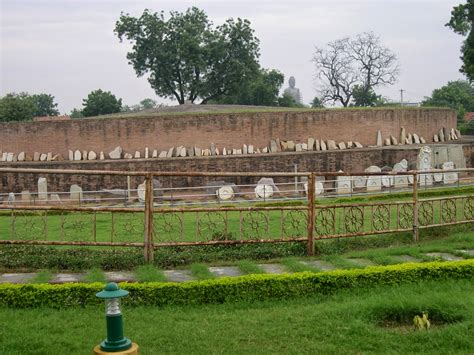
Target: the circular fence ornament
pixel 264 191
pixel 448 211
pixel 405 215
pixel 225 193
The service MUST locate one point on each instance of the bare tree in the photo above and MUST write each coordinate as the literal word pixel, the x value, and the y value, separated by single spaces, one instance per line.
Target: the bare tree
pixel 345 63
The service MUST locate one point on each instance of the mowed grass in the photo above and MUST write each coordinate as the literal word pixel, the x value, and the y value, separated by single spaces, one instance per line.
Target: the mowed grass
pixel 349 322
pixel 194 226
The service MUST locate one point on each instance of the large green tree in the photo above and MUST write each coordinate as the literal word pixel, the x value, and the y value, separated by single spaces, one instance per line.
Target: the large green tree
pixel 261 90
pixel 462 22
pixel 366 98
pixel 458 95
pixel 23 106
pixel 100 102
pixel 186 58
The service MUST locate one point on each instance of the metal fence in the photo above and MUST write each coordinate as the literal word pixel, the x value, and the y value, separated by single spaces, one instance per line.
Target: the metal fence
pixel 297 209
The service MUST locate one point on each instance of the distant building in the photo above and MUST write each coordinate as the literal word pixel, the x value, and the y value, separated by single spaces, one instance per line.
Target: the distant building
pixel 51 118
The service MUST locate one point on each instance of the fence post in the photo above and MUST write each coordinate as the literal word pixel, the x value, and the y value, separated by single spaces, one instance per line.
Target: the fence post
pixel 149 249
pixel 310 244
pixel 415 207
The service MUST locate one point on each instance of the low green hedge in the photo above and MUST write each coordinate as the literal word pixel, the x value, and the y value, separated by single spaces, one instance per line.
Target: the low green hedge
pixel 245 288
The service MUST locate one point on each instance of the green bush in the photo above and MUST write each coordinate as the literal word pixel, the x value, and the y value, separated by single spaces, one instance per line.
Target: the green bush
pixel 246 288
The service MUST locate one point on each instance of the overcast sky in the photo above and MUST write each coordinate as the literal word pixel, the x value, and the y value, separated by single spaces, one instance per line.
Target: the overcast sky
pixel 67 48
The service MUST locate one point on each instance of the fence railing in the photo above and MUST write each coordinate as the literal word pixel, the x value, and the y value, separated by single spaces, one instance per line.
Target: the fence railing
pixel 300 213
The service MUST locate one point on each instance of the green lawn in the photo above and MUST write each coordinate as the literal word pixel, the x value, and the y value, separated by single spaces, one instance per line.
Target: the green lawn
pixel 352 322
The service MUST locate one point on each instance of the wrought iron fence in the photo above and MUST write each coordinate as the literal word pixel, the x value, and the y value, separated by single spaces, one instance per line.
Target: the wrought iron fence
pixel 154 224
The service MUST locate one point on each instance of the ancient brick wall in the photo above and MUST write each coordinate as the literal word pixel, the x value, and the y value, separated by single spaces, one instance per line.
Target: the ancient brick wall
pixel 225 130
pixel 347 160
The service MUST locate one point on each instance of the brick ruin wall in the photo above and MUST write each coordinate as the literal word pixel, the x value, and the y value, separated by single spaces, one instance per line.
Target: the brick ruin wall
pixel 230 130
pixel 347 160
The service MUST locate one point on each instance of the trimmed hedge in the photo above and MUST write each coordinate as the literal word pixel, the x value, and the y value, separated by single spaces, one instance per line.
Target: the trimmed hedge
pixel 245 288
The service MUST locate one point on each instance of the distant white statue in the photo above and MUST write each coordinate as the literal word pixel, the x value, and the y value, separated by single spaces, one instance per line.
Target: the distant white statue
pixel 292 91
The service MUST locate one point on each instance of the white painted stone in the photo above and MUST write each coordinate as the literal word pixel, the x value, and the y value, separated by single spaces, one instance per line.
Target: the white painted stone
pixel 358 145
pixel 318 188
pixel 77 155
pixel 423 163
pixel 182 152
pixel 198 151
pixel 239 151
pixel 265 150
pixel 49 156
pixel 11 198
pixel 43 157
pixel 163 154
pixel 393 140
pixel 170 152
pixel 416 139
pixel 422 140
pixel 298 147
pixel 128 156
pixel 75 193
pixel 137 155
pixel 359 181
pixel 25 196
pixel 400 181
pixel 258 151
pixel 374 183
pixel 435 138
pixel 42 189
pixel 350 144
pixel 304 146
pixel 224 151
pixel 441 136
pixel 331 145
pixel 263 191
pixel 290 146
pixel 273 146
pixel 190 151
pixel 102 156
pixel 251 149
pixel 21 156
pixel 403 135
pixel 318 145
pixel 92 155
pixel 213 149
pixel 410 138
pixel 342 145
pixel 10 157
pixel 155 153
pixel 379 139
pixel 323 145
pixel 311 144
pixel 4 156
pixel 225 193
pixel 147 153
pixel 116 153
pixel 438 177
pixel 36 156
pixel 141 192
pixel 387 141
pixel 343 185
pixel 245 149
pixel 70 154
pixel 452 177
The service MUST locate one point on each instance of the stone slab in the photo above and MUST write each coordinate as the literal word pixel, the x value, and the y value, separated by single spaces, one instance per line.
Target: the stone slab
pixel 225 271
pixel 64 278
pixel 17 278
pixel 407 259
pixel 119 276
pixel 319 264
pixel 444 256
pixel 468 251
pixel 178 275
pixel 273 268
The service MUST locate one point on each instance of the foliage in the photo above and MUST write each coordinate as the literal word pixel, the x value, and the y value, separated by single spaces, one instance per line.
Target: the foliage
pixel 249 288
pixel 347 63
pixel 458 95
pixel 100 102
pixel 317 103
pixel 145 104
pixel 462 22
pixel 261 90
pixel 76 113
pixel 186 58
pixel 288 101
pixel 23 106
pixel 366 98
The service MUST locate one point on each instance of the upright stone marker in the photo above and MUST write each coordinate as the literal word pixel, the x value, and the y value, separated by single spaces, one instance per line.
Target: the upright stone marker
pixel 116 153
pixel 75 193
pixel 379 139
pixel 403 135
pixel 42 189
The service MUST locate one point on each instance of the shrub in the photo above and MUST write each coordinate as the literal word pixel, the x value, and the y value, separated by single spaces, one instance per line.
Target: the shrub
pixel 246 288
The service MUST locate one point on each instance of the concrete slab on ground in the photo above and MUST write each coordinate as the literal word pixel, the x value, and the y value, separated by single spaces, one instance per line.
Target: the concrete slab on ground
pixel 273 268
pixel 444 256
pixel 17 278
pixel 225 271
pixel 467 251
pixel 178 275
pixel 320 265
pixel 361 261
pixel 64 277
pixel 119 276
pixel 406 259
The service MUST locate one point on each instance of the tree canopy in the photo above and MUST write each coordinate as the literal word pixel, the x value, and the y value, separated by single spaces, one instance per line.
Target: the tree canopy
pixel 462 22
pixel 100 102
pixel 23 106
pixel 360 63
pixel 186 58
pixel 458 95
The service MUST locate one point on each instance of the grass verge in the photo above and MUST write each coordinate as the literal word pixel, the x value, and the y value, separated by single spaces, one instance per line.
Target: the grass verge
pixel 201 272
pixel 149 273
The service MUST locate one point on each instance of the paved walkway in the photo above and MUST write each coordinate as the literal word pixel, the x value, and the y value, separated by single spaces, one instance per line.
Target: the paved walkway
pixel 224 271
